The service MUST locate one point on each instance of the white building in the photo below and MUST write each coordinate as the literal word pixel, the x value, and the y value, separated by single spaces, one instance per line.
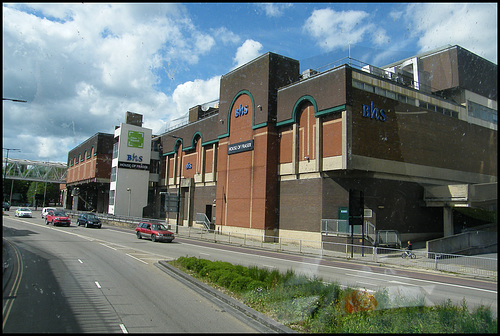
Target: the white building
pixel 128 193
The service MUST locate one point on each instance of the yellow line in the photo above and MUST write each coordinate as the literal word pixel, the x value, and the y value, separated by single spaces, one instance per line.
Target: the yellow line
pixel 19 274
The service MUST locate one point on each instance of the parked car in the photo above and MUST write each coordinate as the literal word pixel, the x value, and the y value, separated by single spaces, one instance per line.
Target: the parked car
pixel 46 210
pixel 6 206
pixel 153 231
pixel 23 212
pixel 57 217
pixel 89 220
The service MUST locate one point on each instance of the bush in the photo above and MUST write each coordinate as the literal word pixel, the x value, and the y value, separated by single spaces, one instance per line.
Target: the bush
pixel 240 283
pixel 226 278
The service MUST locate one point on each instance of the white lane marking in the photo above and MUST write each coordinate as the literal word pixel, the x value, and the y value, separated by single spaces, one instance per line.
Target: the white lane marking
pixel 372 273
pixel 300 262
pixel 366 283
pixel 124 330
pixel 131 256
pixel 97 284
pixel 80 261
pixel 108 246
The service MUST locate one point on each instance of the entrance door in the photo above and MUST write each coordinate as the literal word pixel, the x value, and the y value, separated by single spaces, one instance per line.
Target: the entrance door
pixel 343 214
pixel 208 212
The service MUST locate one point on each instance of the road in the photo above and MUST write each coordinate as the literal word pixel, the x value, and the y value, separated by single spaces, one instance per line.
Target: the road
pixel 113 257
pixel 69 282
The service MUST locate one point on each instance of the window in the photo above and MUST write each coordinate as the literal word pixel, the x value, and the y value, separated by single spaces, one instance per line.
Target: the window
pixel 478 111
pixel 111 197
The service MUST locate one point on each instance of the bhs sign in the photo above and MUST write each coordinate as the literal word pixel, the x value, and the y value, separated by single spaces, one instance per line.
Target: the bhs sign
pixel 372 112
pixel 240 111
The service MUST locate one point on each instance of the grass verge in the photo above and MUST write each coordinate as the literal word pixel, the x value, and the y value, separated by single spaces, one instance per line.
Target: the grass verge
pixel 310 305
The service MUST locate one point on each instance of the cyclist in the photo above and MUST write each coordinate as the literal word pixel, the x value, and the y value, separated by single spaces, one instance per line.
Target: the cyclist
pixel 409 248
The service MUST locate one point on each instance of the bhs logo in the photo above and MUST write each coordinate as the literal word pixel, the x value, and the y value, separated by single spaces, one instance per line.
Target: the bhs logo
pixel 134 158
pixel 372 112
pixel 242 110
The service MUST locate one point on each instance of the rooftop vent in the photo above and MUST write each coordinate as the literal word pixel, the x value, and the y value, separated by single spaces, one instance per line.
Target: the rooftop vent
pixel 308 73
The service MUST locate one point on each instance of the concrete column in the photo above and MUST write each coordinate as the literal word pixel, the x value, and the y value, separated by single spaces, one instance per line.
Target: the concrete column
pixel 448 221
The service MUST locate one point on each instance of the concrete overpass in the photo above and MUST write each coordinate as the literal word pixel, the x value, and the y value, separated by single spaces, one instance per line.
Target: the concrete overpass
pixel 483 196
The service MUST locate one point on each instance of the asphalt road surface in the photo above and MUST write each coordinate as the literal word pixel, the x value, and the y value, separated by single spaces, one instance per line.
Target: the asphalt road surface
pixel 111 272
pixel 68 283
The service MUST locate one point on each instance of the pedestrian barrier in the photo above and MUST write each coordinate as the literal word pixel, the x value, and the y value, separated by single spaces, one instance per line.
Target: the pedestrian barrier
pixel 451 263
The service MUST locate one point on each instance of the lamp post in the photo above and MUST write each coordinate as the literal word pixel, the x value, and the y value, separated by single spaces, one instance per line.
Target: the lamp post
pixel 129 199
pixel 179 181
pixel 5 172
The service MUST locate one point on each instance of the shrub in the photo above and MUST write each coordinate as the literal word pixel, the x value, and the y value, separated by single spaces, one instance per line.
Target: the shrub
pixel 226 278
pixel 240 283
pixel 256 284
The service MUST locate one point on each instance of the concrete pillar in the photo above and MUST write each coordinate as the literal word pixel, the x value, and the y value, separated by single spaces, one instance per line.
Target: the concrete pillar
pixel 448 221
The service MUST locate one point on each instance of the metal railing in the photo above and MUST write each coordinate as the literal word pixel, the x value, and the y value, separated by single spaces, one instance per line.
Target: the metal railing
pixel 202 218
pixel 451 263
pixel 342 227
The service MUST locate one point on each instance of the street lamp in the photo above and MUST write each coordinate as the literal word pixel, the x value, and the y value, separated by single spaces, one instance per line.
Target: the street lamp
pixel 179 181
pixel 5 172
pixel 129 199
pixel 15 100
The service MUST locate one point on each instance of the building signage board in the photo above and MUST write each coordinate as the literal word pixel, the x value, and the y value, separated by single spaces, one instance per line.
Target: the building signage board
pixel 135 139
pixel 240 147
pixel 133 165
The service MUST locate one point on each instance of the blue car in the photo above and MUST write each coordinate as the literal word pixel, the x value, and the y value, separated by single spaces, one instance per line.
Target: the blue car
pixel 89 220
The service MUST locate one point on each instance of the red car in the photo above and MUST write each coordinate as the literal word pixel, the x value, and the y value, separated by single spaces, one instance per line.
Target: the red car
pixel 57 217
pixel 154 231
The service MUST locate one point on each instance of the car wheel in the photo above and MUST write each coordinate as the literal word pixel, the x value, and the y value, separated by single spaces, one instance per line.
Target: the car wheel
pixel 153 237
pixel 99 226
pixel 46 222
pixel 138 234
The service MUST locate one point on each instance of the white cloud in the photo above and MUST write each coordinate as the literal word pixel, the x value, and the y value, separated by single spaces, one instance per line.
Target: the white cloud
pixel 194 93
pixel 226 36
pixel 82 66
pixel 333 29
pixel 274 9
pixel 249 50
pixel 472 26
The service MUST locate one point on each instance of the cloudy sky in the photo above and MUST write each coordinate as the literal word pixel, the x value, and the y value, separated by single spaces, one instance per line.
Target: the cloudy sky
pixel 80 67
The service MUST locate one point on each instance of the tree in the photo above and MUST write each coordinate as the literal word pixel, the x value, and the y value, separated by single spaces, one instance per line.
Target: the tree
pixel 51 191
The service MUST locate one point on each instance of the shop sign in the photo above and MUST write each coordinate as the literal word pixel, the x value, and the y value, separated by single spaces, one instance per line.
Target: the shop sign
pixel 372 112
pixel 133 165
pixel 240 147
pixel 241 111
pixel 135 139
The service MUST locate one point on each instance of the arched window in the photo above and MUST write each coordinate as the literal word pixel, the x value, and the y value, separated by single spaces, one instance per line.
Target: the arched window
pixel 306 132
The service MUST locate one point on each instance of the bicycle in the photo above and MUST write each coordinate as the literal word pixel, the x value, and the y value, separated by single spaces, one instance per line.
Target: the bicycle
pixel 408 253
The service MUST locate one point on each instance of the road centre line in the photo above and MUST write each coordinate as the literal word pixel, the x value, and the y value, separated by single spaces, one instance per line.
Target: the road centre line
pixel 300 262
pixel 346 269
pixel 432 282
pixel 131 256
